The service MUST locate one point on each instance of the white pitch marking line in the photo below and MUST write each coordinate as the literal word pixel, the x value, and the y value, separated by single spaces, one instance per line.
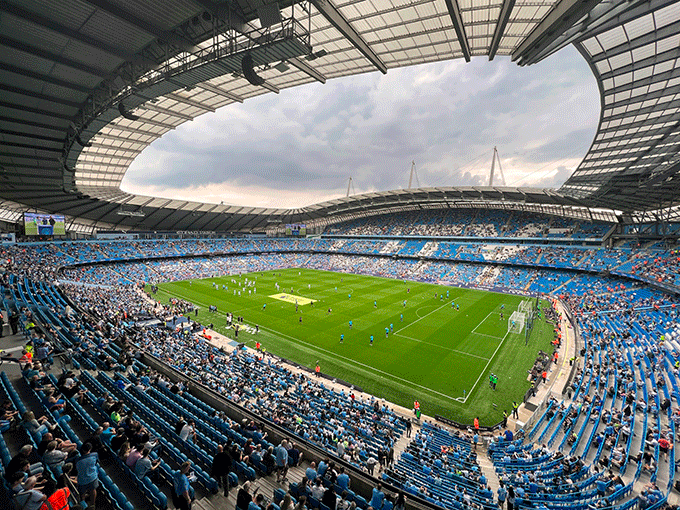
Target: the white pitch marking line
pixel 443 346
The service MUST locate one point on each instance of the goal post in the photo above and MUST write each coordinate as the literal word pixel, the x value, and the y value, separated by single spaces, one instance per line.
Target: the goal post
pixel 516 322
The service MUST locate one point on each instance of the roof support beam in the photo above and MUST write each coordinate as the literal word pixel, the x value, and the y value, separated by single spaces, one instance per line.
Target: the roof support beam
pixel 459 27
pixel 52 57
pixel 26 156
pixel 220 92
pixel 35 136
pixel 37 111
pixel 671 54
pixel 97 136
pixel 128 17
pixel 270 87
pixel 650 121
pixel 47 79
pixel 181 99
pixel 130 129
pixel 561 18
pixel 306 68
pixel 616 18
pixel 155 123
pixel 645 82
pixel 335 18
pixel 659 93
pixel 37 95
pixel 37 19
pixel 166 111
pixel 109 147
pixel 648 38
pixel 643 111
pixel 506 10
pixel 57 150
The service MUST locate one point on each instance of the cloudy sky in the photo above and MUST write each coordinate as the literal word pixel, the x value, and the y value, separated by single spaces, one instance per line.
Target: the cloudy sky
pixel 301 146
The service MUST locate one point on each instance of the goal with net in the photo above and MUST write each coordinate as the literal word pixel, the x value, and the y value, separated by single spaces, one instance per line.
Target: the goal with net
pixel 516 322
pixel 526 306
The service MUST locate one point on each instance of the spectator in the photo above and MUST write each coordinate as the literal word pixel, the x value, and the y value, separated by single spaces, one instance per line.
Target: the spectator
pixel 286 503
pixel 37 426
pixel 343 480
pixel 221 466
pixel 318 490
pixel 281 461
pixel 88 473
pixel 54 458
pixel 310 474
pixel 400 504
pixel 133 456
pixel 377 497
pixel 181 489
pixel 244 497
pixel 188 432
pixel 20 461
pixel 29 498
pixel 329 498
pixel 145 466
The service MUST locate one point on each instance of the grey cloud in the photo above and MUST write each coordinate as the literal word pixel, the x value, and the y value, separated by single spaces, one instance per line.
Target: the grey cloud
pixel 371 127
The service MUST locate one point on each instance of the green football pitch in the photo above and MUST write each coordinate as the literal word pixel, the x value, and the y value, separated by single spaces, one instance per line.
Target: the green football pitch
pixel 441 345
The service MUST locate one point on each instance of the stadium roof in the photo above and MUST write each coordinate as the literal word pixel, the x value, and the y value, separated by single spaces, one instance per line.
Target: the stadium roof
pixel 88 84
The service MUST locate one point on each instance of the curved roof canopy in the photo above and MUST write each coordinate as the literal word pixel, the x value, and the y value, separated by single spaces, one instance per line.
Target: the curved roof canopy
pixel 88 84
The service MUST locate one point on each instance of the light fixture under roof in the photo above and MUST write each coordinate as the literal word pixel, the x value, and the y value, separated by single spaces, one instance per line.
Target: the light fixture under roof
pixel 316 54
pixel 282 67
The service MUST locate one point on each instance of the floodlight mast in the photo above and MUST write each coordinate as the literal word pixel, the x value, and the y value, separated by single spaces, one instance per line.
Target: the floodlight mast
pixel 350 184
pixel 413 172
pixel 493 166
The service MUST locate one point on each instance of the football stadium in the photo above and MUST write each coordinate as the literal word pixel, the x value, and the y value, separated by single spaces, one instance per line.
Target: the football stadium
pixel 428 347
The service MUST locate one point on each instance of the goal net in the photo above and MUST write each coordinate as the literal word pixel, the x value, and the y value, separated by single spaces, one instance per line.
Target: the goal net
pixel 526 307
pixel 516 322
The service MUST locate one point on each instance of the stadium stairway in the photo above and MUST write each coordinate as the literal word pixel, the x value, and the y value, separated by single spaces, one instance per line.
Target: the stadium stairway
pixel 487 467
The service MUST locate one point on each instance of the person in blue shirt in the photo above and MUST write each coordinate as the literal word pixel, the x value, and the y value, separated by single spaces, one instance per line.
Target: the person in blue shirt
pixel 401 317
pixel 310 473
pixel 88 473
pixel 281 461
pixel 371 339
pixel 377 497
pixel 181 489
pixel 350 324
pixel 502 494
pixel 343 480
pixel 323 466
pixel 342 337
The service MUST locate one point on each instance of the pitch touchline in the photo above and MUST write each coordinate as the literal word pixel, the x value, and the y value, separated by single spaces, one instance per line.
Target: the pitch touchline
pixel 443 347
pixel 348 361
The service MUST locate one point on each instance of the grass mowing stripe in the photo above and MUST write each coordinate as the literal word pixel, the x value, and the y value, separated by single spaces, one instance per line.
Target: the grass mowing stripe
pixel 442 346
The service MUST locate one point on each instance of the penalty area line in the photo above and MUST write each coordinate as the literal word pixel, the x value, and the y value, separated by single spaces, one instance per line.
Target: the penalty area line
pixel 487 366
